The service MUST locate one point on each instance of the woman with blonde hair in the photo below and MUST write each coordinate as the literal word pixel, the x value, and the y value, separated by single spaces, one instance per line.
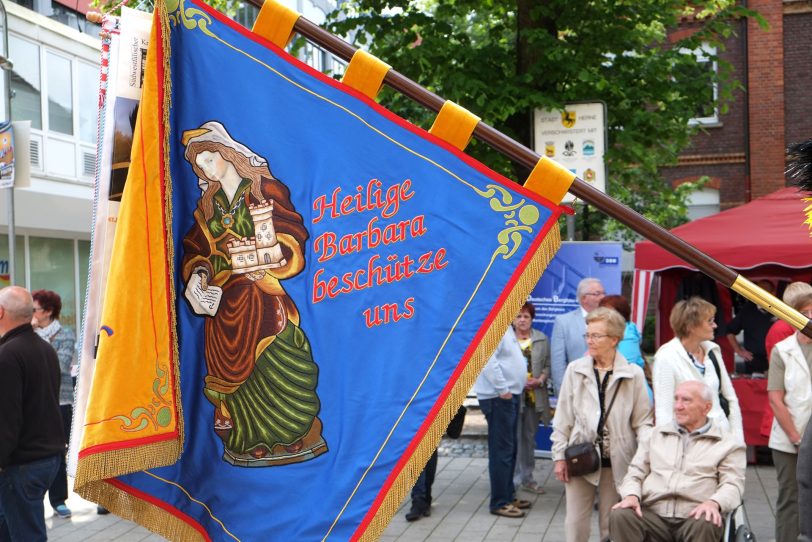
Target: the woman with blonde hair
pixel 692 355
pixel 603 400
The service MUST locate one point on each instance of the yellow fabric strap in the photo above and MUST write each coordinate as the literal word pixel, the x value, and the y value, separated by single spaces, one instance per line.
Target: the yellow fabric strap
pixel 275 23
pixel 769 302
pixel 455 125
pixel 366 73
pixel 550 179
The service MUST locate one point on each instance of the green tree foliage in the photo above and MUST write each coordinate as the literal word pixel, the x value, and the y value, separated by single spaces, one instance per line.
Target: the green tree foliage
pixel 113 7
pixel 501 59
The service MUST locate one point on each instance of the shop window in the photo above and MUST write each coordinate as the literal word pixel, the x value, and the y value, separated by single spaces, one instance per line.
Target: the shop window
pixel 52 266
pixel 19 261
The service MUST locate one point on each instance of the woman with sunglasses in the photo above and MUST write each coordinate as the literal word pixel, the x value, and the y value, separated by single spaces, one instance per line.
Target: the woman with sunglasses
pixel 47 307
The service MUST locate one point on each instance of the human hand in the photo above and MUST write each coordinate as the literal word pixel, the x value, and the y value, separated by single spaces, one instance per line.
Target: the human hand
pixel 204 280
pixel 561 472
pixel 745 354
pixel 630 501
pixel 531 384
pixel 256 275
pixel 506 395
pixel 710 511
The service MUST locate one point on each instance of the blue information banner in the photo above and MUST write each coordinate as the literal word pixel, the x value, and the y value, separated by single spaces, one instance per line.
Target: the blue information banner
pixel 555 292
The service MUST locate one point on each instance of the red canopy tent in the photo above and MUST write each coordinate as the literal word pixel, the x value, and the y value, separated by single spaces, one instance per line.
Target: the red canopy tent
pixel 766 238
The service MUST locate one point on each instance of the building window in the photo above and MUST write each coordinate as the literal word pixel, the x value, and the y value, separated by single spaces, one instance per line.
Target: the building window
pixel 703 202
pixel 88 92
pixel 705 69
pixel 26 103
pixel 60 94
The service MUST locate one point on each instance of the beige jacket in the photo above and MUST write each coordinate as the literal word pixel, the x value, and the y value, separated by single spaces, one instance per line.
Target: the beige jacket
pixel 578 411
pixel 671 476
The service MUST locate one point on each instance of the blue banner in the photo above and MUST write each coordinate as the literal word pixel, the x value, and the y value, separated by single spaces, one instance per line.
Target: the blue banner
pixel 338 277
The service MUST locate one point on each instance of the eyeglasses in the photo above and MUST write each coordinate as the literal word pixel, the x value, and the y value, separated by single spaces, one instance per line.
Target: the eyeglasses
pixel 597 294
pixel 593 336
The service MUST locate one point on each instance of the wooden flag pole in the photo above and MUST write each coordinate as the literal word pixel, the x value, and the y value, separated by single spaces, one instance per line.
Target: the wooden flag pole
pixel 581 189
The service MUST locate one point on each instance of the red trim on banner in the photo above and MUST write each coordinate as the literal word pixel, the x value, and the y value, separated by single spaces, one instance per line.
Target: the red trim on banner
pixel 283 55
pixel 98 448
pixel 138 494
pixel 466 358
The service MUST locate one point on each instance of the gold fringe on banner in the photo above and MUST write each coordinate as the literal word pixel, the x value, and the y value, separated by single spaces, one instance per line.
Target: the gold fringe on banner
pixel 490 340
pixel 104 465
pixel 132 508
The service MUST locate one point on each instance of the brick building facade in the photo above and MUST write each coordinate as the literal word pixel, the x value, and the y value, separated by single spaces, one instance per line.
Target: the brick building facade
pixel 743 152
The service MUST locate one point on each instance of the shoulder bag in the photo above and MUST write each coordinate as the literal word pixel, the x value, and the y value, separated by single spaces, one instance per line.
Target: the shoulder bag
pixel 584 458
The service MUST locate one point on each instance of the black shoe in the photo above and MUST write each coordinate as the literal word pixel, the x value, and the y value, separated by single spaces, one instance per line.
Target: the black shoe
pixel 102 511
pixel 416 513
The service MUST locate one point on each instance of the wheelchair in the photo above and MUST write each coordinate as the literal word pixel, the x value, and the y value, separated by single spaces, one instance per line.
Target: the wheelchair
pixel 737 527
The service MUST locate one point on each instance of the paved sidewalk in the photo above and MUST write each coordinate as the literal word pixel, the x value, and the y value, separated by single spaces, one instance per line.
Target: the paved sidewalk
pixel 460 510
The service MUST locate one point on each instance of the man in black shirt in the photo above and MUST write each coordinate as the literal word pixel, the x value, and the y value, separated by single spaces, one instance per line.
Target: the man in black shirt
pixel 31 436
pixel 755 322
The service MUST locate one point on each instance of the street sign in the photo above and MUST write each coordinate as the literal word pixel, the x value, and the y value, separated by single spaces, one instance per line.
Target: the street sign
pixel 576 139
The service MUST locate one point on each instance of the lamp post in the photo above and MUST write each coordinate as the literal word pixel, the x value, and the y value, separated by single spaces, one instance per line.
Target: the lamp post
pixel 6 65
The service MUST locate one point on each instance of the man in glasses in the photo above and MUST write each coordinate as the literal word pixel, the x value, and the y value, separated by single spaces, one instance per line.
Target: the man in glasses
pixel 567 342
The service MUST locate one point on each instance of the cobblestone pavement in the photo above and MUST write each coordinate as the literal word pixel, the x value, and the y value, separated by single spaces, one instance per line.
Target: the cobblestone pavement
pixel 460 509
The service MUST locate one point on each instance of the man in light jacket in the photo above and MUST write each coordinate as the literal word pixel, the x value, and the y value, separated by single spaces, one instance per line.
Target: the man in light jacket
pixel 567 341
pixel 683 479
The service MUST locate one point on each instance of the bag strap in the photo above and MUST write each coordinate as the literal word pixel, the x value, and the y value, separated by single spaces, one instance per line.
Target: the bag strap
pixel 605 413
pixel 614 396
pixel 716 366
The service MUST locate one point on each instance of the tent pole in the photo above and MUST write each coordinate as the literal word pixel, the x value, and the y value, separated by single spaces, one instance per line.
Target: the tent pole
pixel 581 189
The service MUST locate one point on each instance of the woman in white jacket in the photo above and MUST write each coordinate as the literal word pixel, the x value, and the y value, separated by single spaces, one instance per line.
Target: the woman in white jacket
pixel 789 389
pixel 692 355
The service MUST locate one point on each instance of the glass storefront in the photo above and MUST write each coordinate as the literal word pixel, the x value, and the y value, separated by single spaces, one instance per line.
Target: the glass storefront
pixel 54 264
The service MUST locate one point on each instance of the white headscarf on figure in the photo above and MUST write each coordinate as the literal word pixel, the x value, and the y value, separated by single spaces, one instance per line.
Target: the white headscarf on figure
pixel 216 133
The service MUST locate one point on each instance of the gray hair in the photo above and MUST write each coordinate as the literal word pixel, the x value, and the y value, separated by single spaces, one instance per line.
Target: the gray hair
pixel 705 391
pixel 794 290
pixel 615 324
pixel 17 302
pixel 584 284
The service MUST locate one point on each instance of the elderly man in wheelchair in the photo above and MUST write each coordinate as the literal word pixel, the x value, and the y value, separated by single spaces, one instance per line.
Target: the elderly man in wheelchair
pixel 684 480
